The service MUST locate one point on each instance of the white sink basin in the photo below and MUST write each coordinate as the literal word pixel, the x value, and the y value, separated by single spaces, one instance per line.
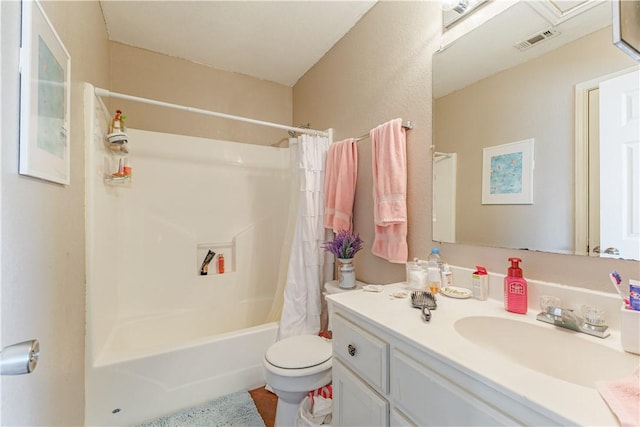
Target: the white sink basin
pixel 553 351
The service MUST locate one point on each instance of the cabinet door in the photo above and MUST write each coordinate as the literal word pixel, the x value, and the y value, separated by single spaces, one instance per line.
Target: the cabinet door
pixel 355 403
pixel 432 400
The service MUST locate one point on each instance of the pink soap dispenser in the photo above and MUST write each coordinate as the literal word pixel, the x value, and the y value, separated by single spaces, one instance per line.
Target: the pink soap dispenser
pixel 515 288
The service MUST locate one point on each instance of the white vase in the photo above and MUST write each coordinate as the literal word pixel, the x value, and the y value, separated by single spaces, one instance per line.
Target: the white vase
pixel 347 273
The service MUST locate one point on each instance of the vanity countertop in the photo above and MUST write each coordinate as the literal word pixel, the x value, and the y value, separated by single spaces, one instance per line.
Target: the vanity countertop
pixel 570 403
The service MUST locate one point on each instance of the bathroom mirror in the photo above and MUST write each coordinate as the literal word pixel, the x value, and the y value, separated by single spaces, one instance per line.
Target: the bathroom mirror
pixel 518 78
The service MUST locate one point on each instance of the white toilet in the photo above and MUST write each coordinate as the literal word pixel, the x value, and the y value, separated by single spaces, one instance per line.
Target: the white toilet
pixel 295 366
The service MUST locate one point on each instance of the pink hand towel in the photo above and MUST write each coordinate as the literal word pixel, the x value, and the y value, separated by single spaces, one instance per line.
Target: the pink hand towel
pixel 340 184
pixel 623 397
pixel 389 158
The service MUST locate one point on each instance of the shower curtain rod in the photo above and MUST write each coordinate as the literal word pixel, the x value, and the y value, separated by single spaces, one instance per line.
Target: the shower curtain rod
pixel 407 124
pixel 106 93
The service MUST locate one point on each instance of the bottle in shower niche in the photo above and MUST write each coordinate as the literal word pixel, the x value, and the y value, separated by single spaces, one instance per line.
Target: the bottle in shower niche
pixel 220 263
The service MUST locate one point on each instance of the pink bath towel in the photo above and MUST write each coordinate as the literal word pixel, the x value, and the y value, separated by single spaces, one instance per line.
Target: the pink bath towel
pixel 340 184
pixel 623 397
pixel 389 158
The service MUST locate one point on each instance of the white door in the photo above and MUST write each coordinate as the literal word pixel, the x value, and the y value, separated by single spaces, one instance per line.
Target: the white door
pixel 620 166
pixel 444 197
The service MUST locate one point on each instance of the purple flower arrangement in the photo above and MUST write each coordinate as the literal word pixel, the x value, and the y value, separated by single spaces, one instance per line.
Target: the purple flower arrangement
pixel 344 245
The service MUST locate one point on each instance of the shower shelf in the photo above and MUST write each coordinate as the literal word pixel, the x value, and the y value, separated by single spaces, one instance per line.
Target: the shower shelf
pixel 117 180
pixel 116 160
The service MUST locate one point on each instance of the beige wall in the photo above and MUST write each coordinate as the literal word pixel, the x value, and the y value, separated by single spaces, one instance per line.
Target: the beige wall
pixel 532 100
pixel 381 70
pixel 43 232
pixel 186 83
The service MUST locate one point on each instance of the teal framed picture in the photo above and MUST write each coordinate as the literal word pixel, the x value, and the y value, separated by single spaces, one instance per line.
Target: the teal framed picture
pixel 507 173
pixel 45 70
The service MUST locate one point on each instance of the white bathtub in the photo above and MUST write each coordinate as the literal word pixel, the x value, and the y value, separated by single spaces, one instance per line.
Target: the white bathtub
pixel 160 336
pixel 158 365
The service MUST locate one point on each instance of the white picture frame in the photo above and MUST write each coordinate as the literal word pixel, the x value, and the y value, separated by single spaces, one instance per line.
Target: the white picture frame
pixel 45 90
pixel 507 173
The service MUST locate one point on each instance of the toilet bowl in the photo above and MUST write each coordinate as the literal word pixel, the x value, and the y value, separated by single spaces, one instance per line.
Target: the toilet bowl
pixel 295 366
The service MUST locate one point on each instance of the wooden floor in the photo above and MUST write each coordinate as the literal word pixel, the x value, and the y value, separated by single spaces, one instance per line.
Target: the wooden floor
pixel 266 403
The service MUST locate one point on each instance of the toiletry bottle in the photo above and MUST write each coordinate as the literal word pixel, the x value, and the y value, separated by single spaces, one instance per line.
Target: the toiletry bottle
pixel 480 283
pixel 434 280
pixel 437 258
pixel 220 264
pixel 116 122
pixel 434 276
pixel 447 276
pixel 515 288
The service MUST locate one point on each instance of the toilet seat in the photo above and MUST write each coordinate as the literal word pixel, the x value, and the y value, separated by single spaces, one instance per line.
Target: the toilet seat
pixel 299 352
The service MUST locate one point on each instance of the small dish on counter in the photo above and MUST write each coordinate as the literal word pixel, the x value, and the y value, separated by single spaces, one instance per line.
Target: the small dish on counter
pixel 455 292
pixel 400 294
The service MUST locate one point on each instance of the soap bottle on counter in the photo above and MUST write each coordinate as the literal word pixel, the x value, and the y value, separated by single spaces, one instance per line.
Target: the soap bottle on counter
pixel 480 283
pixel 515 288
pixel 447 276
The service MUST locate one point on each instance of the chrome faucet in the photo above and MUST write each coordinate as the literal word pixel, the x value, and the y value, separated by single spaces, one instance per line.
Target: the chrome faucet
pixel 566 318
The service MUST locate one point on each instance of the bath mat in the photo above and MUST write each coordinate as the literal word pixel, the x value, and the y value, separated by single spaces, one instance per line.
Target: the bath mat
pixel 235 409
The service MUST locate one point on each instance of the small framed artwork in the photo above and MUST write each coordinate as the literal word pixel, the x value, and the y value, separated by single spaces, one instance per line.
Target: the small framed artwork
pixel 44 98
pixel 507 174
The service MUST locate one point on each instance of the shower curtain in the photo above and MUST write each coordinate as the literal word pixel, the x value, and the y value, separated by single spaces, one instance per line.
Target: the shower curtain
pixel 308 265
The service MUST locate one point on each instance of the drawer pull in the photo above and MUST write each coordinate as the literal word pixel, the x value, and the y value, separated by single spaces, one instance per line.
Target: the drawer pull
pixel 351 350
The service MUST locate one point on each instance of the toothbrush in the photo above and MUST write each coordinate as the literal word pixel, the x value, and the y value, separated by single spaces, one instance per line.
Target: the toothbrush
pixel 616 279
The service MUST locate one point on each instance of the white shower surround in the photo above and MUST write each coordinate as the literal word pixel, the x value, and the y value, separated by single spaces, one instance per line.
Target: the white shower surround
pixel 159 335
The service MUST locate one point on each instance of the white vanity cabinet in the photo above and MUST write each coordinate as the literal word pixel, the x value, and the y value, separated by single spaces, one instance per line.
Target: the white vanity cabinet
pixel 381 379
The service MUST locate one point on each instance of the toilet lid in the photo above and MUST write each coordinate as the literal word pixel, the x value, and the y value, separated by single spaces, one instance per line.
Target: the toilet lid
pixel 303 351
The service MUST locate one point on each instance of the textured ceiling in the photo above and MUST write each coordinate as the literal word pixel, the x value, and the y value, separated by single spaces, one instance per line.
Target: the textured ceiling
pixel 271 40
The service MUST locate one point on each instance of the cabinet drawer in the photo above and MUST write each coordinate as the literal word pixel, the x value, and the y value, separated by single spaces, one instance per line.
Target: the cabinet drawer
pixel 363 352
pixel 432 400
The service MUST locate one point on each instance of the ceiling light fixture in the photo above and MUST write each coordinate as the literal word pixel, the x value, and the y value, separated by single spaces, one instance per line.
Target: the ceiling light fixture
pixel 454 10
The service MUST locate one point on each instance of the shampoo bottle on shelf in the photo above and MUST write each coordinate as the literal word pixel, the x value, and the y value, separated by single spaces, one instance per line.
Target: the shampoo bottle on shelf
pixel 515 288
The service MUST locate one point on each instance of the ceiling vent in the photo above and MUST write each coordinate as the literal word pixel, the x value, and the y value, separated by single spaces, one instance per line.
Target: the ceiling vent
pixel 536 38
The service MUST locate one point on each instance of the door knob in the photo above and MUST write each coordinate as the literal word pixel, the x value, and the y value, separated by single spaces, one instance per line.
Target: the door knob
pixel 20 358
